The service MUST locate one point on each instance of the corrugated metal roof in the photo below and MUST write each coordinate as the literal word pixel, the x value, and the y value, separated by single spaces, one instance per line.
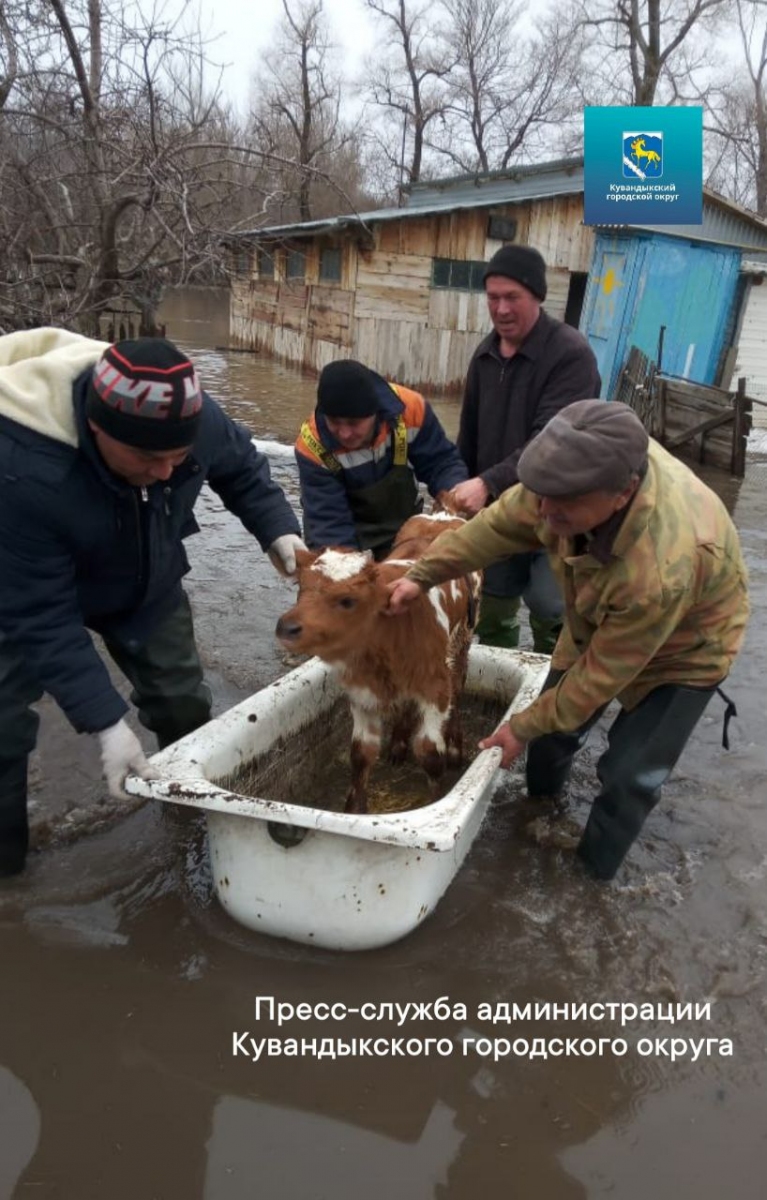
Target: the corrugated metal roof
pixel 754 261
pixel 725 226
pixel 564 177
pixel 740 237
pixel 361 220
pixel 724 222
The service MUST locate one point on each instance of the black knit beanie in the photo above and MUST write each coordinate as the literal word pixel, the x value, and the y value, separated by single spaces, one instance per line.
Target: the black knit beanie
pixel 145 394
pixel 347 389
pixel 522 264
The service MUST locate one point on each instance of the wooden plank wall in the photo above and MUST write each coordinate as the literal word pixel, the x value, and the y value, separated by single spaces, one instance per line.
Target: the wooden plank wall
pixel 669 408
pixel 685 405
pixel 329 315
pixel 555 227
pixel 385 312
pixel 453 311
pixel 393 286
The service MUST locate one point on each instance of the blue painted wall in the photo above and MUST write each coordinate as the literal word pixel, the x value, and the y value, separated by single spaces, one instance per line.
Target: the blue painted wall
pixel 638 283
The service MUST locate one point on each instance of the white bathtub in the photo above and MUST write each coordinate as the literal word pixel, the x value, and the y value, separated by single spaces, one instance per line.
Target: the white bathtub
pixel 351 882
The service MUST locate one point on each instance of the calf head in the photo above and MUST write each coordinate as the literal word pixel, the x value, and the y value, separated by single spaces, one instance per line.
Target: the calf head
pixel 339 595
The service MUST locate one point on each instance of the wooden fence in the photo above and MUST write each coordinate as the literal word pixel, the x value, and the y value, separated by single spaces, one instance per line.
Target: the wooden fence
pixel 691 419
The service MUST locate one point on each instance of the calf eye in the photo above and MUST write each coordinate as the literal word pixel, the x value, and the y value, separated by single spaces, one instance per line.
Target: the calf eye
pixel 347 602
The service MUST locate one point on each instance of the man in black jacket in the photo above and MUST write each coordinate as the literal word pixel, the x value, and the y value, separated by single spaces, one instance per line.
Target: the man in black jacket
pixel 103 452
pixel 524 372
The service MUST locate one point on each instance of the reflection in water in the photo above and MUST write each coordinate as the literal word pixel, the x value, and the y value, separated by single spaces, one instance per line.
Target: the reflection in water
pixel 19 1130
pixel 293 1154
pixel 270 399
pixel 656 1136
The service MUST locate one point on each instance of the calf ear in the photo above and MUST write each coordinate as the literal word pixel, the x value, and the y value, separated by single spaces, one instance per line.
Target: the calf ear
pixel 370 569
pixel 305 558
pixel 381 589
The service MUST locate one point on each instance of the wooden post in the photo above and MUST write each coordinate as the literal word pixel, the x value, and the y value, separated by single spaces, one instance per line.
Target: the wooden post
pixel 661 435
pixel 651 406
pixel 740 430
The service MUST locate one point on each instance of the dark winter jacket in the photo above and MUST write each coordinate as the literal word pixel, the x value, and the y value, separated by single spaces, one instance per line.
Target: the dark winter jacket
pixel 82 549
pixel 508 400
pixel 328 519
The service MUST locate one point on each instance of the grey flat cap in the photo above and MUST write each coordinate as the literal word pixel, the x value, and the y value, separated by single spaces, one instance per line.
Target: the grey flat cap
pixel 590 446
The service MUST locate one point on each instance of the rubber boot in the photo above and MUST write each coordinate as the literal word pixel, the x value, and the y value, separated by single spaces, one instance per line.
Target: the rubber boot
pixel 19 723
pixel 614 823
pixel 643 748
pixel 169 691
pixel 550 757
pixel 498 623
pixel 545 633
pixel 14 827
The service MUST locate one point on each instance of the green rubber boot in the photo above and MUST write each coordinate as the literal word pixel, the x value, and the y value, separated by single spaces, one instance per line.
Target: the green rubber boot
pixel 498 623
pixel 545 634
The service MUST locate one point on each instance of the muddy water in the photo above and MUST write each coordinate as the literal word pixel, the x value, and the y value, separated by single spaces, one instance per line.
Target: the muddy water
pixel 317 773
pixel 123 981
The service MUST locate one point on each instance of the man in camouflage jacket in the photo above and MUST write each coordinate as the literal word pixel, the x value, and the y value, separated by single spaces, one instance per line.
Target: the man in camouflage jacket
pixel 655 608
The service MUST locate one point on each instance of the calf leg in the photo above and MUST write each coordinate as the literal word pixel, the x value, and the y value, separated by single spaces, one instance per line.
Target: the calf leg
pixel 404 722
pixel 454 738
pixel 461 641
pixel 429 741
pixel 366 745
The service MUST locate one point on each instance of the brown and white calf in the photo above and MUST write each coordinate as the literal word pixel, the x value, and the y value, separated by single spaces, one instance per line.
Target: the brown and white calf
pixel 408 670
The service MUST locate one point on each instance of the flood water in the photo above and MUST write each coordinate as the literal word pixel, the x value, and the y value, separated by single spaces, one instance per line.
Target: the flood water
pixel 125 985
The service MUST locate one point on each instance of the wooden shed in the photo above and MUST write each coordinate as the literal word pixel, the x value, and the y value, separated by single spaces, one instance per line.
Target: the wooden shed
pixel 401 288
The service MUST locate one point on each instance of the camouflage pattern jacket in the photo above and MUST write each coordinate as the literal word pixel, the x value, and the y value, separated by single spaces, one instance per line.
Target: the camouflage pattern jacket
pixel 670 606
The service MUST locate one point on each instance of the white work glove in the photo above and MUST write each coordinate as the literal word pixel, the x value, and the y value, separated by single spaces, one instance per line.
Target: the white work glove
pixel 282 552
pixel 121 755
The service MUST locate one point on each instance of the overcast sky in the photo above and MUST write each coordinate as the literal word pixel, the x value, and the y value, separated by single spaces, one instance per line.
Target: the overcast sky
pixel 244 27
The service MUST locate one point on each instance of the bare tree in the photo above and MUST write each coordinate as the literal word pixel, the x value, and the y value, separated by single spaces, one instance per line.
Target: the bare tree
pixel 406 83
pixel 296 114
pixel 510 82
pixel 9 57
pixel 122 171
pixel 645 52
pixel 106 191
pixel 738 124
